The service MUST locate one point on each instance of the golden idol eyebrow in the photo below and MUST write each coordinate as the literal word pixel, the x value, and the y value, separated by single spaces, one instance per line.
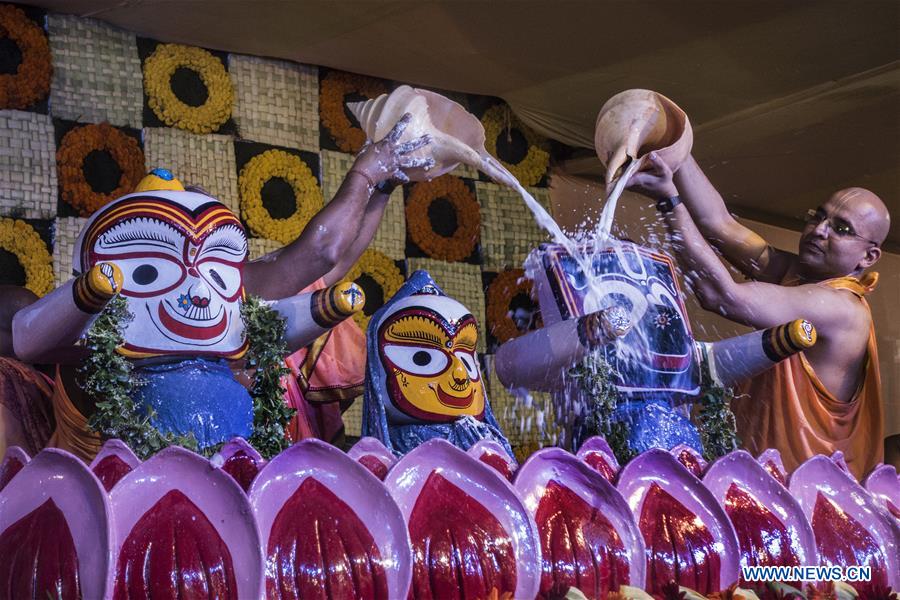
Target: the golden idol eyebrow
pixel 466 341
pixel 416 335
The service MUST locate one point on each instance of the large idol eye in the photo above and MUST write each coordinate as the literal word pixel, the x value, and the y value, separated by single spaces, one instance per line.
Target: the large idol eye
pixel 224 279
pixel 471 363
pixel 149 275
pixel 417 360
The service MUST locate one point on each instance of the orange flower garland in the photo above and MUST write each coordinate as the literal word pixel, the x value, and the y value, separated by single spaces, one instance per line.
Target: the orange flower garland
pixel 75 147
pixel 31 82
pixel 332 91
pixel 503 289
pixel 461 244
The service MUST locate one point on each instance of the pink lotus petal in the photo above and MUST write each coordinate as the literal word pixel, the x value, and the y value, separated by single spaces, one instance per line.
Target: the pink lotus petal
pixel 324 517
pixel 56 535
pixel 13 462
pixel 373 455
pixel 588 535
pixel 884 485
pixel 771 461
pixel 240 460
pixel 600 457
pixel 494 455
pixel 849 527
pixel 681 522
pixel 113 462
pixel 690 458
pixel 470 532
pixel 771 527
pixel 185 527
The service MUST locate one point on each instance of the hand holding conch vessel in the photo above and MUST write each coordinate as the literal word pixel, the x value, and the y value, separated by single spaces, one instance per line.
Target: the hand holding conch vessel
pixel 457 135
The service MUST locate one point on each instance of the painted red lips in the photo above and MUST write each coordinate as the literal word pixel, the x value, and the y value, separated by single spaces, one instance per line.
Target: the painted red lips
pixel 192 332
pixel 454 402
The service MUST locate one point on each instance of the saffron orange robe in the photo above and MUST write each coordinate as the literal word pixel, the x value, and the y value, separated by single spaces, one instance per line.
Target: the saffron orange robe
pixel 325 378
pixel 72 432
pixel 789 409
pixel 26 415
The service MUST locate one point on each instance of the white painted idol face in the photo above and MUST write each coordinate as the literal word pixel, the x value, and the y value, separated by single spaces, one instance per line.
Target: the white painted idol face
pixel 181 255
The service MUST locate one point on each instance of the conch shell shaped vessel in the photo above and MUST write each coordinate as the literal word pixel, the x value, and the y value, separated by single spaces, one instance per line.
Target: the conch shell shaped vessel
pixel 636 122
pixel 457 135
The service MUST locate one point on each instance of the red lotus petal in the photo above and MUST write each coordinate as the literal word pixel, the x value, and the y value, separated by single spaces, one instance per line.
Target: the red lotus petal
pixel 460 549
pixel 679 547
pixel 763 538
pixel 373 464
pixel 39 557
pixel 498 463
pixel 579 546
pixel 242 467
pixel 11 465
pixel 319 548
pixel 600 463
pixel 173 551
pixel 843 541
pixel 110 470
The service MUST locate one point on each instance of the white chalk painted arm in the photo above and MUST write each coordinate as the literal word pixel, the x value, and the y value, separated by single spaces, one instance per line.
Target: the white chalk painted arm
pixel 742 357
pixel 536 360
pixel 48 331
pixel 310 315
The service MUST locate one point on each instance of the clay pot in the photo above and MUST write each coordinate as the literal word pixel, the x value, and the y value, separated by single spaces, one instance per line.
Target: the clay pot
pixel 457 135
pixel 634 123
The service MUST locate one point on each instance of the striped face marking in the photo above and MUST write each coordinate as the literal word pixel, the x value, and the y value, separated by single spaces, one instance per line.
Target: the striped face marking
pixel 181 256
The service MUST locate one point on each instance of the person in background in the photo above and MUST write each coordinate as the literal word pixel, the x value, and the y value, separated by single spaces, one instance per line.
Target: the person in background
pixel 828 397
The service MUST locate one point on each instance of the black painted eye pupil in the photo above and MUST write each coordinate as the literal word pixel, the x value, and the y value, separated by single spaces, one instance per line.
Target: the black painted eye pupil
pixel 217 278
pixel 145 274
pixel 421 358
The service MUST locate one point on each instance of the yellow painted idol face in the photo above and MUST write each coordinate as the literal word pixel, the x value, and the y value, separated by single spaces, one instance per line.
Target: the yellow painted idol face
pixel 430 362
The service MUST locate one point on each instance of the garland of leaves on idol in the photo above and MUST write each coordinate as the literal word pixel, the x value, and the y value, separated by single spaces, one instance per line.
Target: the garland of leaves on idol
pixel 593 379
pixel 107 377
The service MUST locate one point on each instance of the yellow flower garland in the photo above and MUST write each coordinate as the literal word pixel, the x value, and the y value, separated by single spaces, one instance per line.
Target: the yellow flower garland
pixel 468 231
pixel 381 269
pixel 291 168
pixel 158 71
pixel 503 289
pixel 31 81
pixel 21 239
pixel 531 168
pixel 333 89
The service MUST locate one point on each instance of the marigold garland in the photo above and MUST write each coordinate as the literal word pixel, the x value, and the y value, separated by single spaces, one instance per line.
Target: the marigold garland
pixel 158 71
pixel 383 271
pixel 31 81
pixel 291 168
pixel 468 216
pixel 75 147
pixel 332 91
pixel 20 238
pixel 531 168
pixel 503 289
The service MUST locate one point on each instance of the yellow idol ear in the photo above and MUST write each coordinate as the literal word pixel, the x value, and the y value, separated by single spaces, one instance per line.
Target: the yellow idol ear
pixel 159 179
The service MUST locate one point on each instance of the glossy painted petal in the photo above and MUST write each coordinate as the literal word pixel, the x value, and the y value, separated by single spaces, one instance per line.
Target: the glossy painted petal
pixel 770 525
pixel 596 452
pixel 494 455
pixel 13 461
pixel 687 535
pixel 373 455
pixel 56 537
pixel 690 458
pixel 849 527
pixel 471 534
pixel 771 461
pixel 589 539
pixel 184 529
pixel 884 485
pixel 240 460
pixel 329 527
pixel 114 461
